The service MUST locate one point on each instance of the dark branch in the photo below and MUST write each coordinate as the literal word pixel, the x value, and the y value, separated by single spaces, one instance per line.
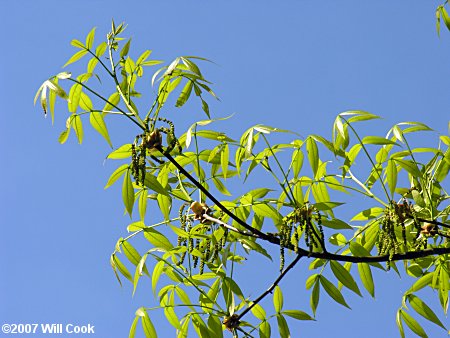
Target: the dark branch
pixel 302 252
pixel 434 222
pixel 211 197
pixel 270 289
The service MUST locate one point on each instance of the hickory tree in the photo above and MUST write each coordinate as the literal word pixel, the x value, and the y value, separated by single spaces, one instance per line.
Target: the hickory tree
pixel 204 229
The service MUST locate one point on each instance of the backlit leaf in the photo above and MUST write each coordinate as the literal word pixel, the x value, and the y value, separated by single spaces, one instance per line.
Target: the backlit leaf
pixel 116 175
pixel 278 299
pixel 413 324
pixel 333 291
pixel 78 55
pixel 97 121
pixel 128 192
pixel 424 310
pixel 344 277
pixel 366 278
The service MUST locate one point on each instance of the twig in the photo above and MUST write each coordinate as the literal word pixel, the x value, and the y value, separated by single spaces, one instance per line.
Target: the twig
pixel 434 222
pixel 211 197
pixel 270 289
pixel 227 226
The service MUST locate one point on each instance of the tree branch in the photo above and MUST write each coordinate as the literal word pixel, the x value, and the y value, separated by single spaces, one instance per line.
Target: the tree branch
pixel 302 252
pixel 270 289
pixel 227 226
pixel 260 234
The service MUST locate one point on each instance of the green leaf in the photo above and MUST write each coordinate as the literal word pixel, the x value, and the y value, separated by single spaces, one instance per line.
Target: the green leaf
pixel 122 152
pixel 157 239
pixel 224 158
pixel 122 268
pixel 283 327
pixel 266 210
pixel 91 65
pixel 398 320
pixel 77 43
pixel 75 57
pixel 165 205
pixel 113 100
pixel 313 154
pixel 424 310
pixel 125 49
pixel 315 296
pixel 90 38
pixel 85 102
pixel 297 314
pixel 413 324
pixel 366 278
pixel 215 326
pixel 335 223
pixel 248 244
pixel 133 327
pixel 147 325
pixel 76 124
pixel 138 271
pixel 409 166
pixel 101 49
pixel 116 175
pixel 297 162
pixel 444 287
pixel 64 136
pixel 445 16
pixel 220 186
pixel 377 140
pixel 185 94
pixel 152 183
pixel 98 123
pixel 368 214
pixel 128 192
pixel 278 299
pixel 142 205
pixel 74 97
pixel 265 330
pixel 172 318
pixel 332 291
pixel 259 312
pixel 391 176
pixel 344 277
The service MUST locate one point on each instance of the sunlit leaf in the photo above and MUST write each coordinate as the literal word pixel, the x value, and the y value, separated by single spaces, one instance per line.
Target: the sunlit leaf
pixel 413 324
pixel 424 310
pixel 78 127
pixel 333 291
pixel 278 299
pixel 132 332
pixel 122 152
pixel 391 176
pixel 409 166
pixel 128 192
pixel 344 277
pixel 313 154
pixel 283 327
pixel 116 175
pixel 366 278
pixel 259 312
pixel 147 325
pixel 97 121
pixel 78 55
pixel 297 314
pixel 157 239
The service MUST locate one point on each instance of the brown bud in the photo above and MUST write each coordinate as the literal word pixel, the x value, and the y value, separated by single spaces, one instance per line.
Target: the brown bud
pixel 152 140
pixel 429 229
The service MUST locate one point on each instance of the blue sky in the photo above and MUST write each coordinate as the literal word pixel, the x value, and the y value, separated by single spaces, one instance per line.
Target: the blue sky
pixel 293 65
